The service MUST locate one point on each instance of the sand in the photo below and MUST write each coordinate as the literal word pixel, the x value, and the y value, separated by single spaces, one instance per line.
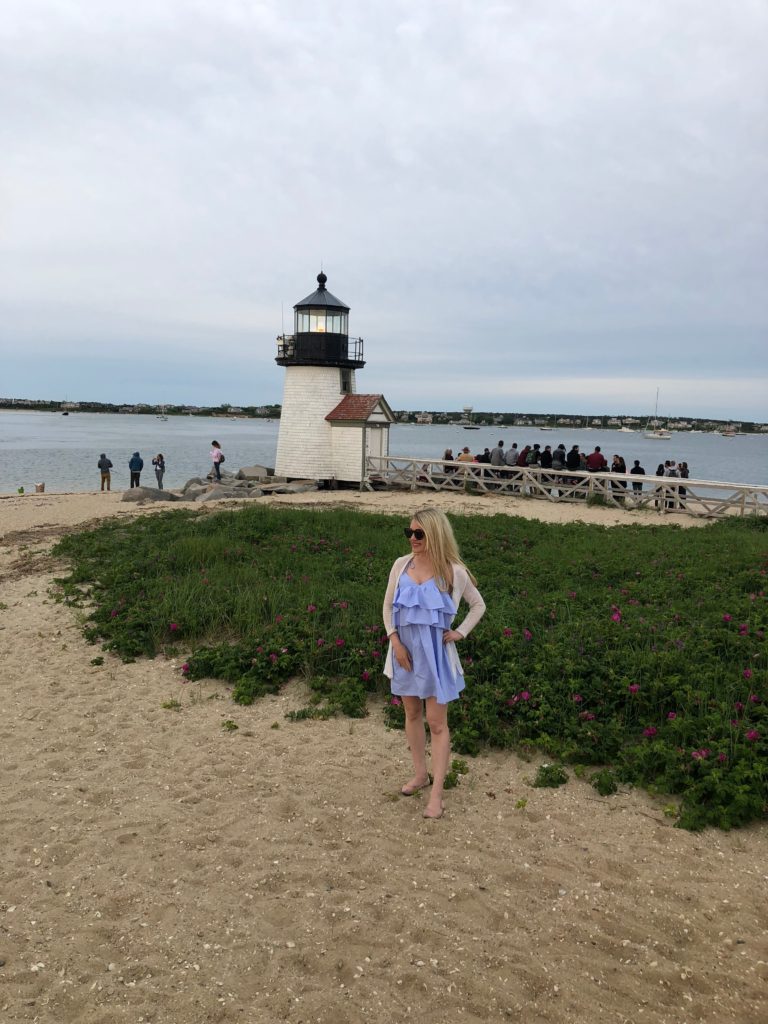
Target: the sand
pixel 157 868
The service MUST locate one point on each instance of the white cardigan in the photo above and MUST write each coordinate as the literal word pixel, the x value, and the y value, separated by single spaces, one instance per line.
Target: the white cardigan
pixel 462 587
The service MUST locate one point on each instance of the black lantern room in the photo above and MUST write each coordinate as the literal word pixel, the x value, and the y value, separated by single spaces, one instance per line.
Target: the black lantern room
pixel 320 333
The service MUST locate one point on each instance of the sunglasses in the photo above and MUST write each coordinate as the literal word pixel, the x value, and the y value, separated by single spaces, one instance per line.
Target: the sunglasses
pixel 418 534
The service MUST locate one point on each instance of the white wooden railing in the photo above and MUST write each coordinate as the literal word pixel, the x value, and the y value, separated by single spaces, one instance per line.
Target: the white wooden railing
pixel 665 495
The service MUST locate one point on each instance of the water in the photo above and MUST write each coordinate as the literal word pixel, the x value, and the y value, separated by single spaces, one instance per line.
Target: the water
pixel 63 450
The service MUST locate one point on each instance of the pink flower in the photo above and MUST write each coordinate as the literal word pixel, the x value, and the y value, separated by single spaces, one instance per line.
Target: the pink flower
pixel 113 613
pixel 747 673
pixel 576 698
pixel 672 715
pixel 311 607
pixel 738 706
pixel 259 650
pixel 365 675
pixel 396 701
pixel 525 695
pixel 173 627
pixel 571 593
pixel 727 617
pixel 273 658
pixel 633 687
pixel 587 716
pixel 512 701
pixel 278 618
pixel 722 758
pixel 185 668
pixel 339 642
pixel 754 699
pixel 507 631
pixel 650 732
pixel 320 642
pixel 700 755
pixel 616 616
pixel 528 634
pixel 752 735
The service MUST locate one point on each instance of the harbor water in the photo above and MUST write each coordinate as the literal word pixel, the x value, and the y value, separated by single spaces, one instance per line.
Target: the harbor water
pixel 62 451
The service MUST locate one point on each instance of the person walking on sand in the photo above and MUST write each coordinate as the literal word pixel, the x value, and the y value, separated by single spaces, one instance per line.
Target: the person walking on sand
pixel 217 457
pixel 159 463
pixel 105 465
pixel 136 465
pixel 421 601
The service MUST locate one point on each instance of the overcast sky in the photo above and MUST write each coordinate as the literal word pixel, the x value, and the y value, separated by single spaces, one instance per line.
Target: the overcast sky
pixel 528 205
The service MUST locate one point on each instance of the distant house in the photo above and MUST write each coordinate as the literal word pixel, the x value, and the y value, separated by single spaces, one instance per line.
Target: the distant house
pixel 423 417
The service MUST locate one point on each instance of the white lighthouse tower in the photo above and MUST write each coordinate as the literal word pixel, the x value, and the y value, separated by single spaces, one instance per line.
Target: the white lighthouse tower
pixel 326 428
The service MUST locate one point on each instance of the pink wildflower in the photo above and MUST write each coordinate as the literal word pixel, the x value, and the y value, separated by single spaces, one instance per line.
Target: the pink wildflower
pixel 320 642
pixel 633 687
pixel 650 732
pixel 173 627
pixel 738 706
pixel 700 755
pixel 339 642
pixel 722 758
pixel 747 673
pixel 727 617
pixel 754 699
pixel 113 613
pixel 507 631
pixel 587 716
pixel 311 607
pixel 752 735
pixel 273 658
pixel 672 715
pixel 185 668
pixel 396 701
pixel 525 695
pixel 278 618
pixel 616 616
pixel 528 634
pixel 571 594
pixel 576 698
pixel 365 675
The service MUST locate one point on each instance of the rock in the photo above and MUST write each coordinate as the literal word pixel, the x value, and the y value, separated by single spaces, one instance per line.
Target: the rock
pixel 252 473
pixel 219 494
pixel 195 481
pixel 149 494
pixel 294 487
pixel 194 492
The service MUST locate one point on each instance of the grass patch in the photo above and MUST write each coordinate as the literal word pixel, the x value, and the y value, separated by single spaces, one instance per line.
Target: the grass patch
pixel 637 648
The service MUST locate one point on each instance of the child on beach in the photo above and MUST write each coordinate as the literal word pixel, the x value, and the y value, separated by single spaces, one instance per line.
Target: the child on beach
pixel 422 598
pixel 217 457
pixel 159 463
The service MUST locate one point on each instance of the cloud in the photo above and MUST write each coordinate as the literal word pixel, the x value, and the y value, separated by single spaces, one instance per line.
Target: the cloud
pixel 578 186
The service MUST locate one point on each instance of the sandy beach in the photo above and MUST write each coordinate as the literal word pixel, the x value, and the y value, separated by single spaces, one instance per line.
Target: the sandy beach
pixel 158 869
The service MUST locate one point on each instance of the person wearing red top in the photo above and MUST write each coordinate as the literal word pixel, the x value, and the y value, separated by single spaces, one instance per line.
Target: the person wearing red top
pixel 596 461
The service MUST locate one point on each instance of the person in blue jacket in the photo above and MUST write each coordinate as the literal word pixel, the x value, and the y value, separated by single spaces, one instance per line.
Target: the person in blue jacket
pixel 136 465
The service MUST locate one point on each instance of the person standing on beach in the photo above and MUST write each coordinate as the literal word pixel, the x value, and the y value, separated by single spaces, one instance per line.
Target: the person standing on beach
pixel 637 470
pixel 105 465
pixel 136 465
pixel 159 463
pixel 421 601
pixel 217 457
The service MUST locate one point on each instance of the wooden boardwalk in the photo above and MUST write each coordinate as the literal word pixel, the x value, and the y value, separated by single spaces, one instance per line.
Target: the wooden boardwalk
pixel 711 499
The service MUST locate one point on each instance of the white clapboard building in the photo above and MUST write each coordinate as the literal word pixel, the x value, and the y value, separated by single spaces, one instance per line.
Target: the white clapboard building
pixel 326 428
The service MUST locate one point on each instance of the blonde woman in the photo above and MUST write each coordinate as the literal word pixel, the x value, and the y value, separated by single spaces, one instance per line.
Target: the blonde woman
pixel 423 595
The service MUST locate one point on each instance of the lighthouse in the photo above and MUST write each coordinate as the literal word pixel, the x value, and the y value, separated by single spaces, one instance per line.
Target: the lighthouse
pixel 327 429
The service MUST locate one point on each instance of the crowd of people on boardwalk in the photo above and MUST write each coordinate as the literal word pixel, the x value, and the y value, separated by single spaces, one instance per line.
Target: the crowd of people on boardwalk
pixel 507 463
pixel 136 465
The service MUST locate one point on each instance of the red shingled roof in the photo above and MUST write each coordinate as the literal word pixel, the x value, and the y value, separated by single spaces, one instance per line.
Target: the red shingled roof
pixel 355 408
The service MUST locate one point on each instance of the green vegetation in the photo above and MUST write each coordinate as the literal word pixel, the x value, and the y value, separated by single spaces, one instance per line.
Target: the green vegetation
pixel 638 648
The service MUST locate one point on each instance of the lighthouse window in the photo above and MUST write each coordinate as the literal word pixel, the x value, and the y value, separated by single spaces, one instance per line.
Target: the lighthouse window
pixel 302 322
pixel 345 383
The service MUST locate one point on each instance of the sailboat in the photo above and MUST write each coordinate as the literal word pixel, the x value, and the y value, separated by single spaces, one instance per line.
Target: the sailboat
pixel 656 433
pixel 162 415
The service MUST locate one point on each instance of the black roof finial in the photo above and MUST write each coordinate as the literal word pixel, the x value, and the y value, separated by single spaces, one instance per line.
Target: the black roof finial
pixel 321 279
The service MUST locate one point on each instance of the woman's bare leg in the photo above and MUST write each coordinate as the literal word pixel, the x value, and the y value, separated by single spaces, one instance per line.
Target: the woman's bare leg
pixel 437 718
pixel 417 741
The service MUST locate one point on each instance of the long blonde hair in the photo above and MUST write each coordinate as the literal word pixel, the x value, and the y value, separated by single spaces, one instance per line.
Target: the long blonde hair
pixel 441 545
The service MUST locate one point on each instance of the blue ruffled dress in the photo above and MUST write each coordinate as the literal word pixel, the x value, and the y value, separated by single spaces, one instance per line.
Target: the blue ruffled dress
pixel 421 612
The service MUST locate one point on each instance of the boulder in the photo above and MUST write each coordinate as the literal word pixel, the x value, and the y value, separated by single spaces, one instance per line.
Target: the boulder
pixel 195 481
pixel 142 494
pixel 219 494
pixel 252 473
pixel 294 487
